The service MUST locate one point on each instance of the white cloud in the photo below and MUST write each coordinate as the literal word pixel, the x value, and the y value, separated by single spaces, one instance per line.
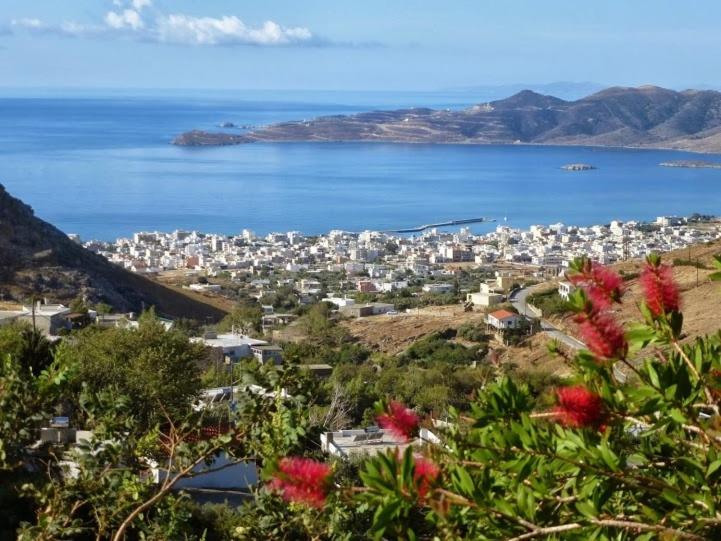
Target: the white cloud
pixel 36 26
pixel 128 21
pixel 128 18
pixel 227 30
pixel 138 5
pixel 30 24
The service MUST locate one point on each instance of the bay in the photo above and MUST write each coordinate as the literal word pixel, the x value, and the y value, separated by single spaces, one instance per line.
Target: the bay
pixel 101 165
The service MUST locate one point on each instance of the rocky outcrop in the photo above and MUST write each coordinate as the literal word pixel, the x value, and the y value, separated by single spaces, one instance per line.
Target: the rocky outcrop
pixel 37 259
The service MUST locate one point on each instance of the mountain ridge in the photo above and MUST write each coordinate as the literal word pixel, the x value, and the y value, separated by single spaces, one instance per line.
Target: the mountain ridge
pixel 37 259
pixel 644 117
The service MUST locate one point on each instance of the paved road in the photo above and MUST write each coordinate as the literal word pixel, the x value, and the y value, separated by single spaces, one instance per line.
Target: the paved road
pixel 519 302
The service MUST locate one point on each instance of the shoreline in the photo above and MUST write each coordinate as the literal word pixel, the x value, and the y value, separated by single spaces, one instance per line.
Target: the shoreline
pixel 454 143
pixel 411 232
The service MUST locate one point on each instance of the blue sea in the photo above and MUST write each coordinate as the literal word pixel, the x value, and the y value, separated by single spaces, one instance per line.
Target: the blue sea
pixel 100 164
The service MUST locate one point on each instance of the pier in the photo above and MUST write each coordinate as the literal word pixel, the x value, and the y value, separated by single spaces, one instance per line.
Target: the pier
pixel 440 224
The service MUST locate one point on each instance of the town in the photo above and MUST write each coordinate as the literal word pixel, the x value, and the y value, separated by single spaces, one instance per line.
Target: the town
pixel 372 262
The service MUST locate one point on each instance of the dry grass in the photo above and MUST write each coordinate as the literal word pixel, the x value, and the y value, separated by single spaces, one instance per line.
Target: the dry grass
pixel 393 334
pixel 700 304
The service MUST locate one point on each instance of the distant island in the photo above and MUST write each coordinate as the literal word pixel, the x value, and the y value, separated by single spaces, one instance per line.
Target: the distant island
pixel 692 164
pixel 577 167
pixel 643 117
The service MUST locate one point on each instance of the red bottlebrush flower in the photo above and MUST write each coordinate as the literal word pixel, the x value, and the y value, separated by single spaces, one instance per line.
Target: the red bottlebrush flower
pixel 302 480
pixel 579 408
pixel 425 474
pixel 602 285
pixel 602 334
pixel 659 288
pixel 402 422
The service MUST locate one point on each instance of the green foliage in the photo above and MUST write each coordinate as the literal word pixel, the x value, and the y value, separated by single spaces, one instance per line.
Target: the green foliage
pixel 78 305
pixel 321 329
pixel 550 303
pixel 152 365
pixel 393 493
pixel 436 348
pixel 716 275
pixel 511 464
pixel 27 346
pixel 679 262
pixel 26 401
pixel 246 317
pixel 269 517
pixel 111 491
pixel 653 470
pixel 103 308
pixel 473 333
pixel 282 299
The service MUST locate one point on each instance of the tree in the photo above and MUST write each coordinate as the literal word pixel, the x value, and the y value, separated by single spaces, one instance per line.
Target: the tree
pixel 111 496
pixel 79 306
pixel 246 317
pixel 32 351
pixel 320 328
pixel 150 364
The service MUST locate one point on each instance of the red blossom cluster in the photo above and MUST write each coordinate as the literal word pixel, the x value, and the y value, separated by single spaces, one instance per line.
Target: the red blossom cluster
pixel 602 285
pixel 580 408
pixel 602 334
pixel 425 474
pixel 402 422
pixel 598 328
pixel 302 480
pixel 659 288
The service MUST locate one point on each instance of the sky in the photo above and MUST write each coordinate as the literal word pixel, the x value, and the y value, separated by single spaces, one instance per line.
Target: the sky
pixel 357 45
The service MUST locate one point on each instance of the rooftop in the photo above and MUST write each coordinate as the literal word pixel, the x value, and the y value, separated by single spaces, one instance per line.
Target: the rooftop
pixel 502 314
pixel 267 347
pixel 229 340
pixel 359 442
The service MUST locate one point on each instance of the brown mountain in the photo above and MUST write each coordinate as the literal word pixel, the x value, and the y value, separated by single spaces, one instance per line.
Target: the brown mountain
pixel 39 259
pixel 646 116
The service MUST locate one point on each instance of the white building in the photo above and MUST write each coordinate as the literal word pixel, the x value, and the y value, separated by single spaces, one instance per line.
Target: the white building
pixel 565 289
pixel 504 320
pixel 234 346
pixel 438 288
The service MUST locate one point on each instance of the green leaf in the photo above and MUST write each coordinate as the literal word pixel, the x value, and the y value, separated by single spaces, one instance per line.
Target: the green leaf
pixel 586 509
pixel 464 482
pixel 713 468
pixel 608 456
pixel 639 336
pixel 677 415
pixel 652 374
pixel 670 496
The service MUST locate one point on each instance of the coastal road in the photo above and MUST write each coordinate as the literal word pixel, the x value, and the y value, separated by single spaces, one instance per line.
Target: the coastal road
pixel 519 301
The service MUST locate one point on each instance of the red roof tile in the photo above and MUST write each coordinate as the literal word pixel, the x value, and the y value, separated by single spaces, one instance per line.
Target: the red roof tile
pixel 500 315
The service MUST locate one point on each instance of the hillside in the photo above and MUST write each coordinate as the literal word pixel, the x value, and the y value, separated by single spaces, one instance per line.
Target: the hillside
pixel 39 259
pixel 393 334
pixel 646 116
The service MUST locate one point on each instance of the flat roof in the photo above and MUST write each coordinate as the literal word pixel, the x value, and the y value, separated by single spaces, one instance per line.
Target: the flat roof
pixel 268 347
pixel 230 340
pixel 347 442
